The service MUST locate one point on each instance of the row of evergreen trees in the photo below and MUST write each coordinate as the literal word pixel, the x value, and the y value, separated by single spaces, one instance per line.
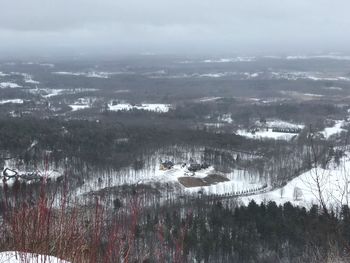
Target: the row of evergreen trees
pixel 256 233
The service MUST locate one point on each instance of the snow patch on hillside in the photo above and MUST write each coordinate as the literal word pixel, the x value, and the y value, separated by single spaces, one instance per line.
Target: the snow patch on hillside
pixel 48 93
pixel 230 60
pixel 303 191
pixel 209 99
pixel 9 85
pixel 156 107
pixel 29 79
pixel 15 101
pixel 89 74
pixel 283 124
pixel 2 74
pixel 330 56
pixel 336 129
pixel 82 103
pixel 76 107
pixel 266 134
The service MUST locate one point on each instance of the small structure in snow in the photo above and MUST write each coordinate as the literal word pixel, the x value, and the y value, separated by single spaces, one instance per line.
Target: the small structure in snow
pixel 166 165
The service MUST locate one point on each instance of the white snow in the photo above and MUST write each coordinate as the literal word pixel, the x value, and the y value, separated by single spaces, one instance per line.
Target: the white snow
pixel 266 130
pixel 145 106
pixel 238 183
pixel 9 85
pixel 89 74
pixel 328 56
pixel 2 74
pixel 68 73
pixel 266 134
pixel 333 181
pixel 53 92
pixel 230 60
pixel 15 101
pixel 47 65
pixel 76 107
pixel 333 88
pixel 315 76
pixel 336 129
pixel 22 257
pixel 238 180
pixel 48 93
pixel 45 172
pixel 283 124
pixel 226 118
pixel 209 99
pixel 313 95
pixel 213 75
pixel 29 79
pixel 82 103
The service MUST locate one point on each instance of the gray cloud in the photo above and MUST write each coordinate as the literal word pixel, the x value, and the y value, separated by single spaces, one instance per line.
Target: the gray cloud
pixel 174 26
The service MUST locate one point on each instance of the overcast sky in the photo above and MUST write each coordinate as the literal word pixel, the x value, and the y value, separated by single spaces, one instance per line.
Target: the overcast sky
pixel 174 26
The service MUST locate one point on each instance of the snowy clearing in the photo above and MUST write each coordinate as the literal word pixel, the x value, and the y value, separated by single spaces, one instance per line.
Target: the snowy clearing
pixel 303 191
pixel 89 74
pixel 209 99
pixel 237 180
pixel 314 76
pixel 48 93
pixel 145 106
pixel 336 129
pixel 266 134
pixel 11 172
pixel 303 57
pixel 283 124
pixel 82 103
pixel 2 74
pixel 230 60
pixel 227 118
pixel 29 79
pixel 15 101
pixel 11 85
pixel 76 107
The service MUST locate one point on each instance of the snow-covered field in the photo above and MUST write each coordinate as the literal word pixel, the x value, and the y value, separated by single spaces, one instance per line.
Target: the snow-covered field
pixel 2 74
pixel 241 75
pixel 336 129
pixel 225 118
pixel 267 134
pixel 239 180
pixel 315 76
pixel 90 74
pixel 283 124
pixel 48 93
pixel 156 107
pixel 11 85
pixel 208 99
pixel 46 173
pixel 327 56
pixel 15 101
pixel 303 190
pixel 230 60
pixel 22 257
pixel 266 130
pixel 76 107
pixel 82 103
pixel 29 79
